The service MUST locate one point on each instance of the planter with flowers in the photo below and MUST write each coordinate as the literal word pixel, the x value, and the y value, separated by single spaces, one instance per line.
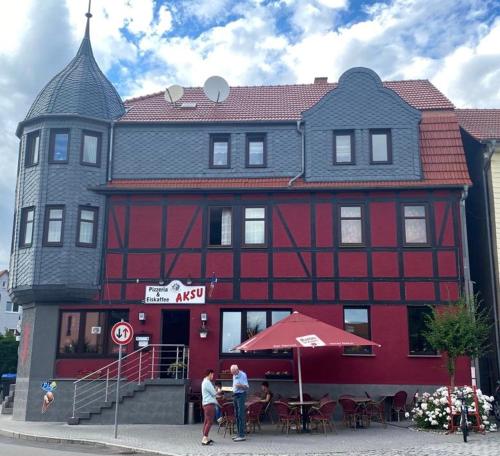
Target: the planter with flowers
pixel 432 411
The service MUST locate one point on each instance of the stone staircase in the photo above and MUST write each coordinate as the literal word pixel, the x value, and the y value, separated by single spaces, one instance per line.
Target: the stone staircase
pixel 7 406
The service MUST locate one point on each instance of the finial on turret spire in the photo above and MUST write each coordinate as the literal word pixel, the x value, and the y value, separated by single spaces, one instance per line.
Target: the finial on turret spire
pixel 88 15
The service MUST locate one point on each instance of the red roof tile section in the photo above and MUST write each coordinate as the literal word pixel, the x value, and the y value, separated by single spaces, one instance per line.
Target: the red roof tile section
pixel 482 124
pixel 265 103
pixel 443 164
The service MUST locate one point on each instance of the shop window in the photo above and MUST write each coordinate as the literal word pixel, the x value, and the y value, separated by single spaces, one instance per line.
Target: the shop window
pixel 415 224
pixel 343 147
pixel 357 321
pixel 380 146
pixel 59 146
pixel 256 150
pixel 255 226
pixel 54 223
pixel 26 230
pixel 416 328
pixel 351 225
pixel 87 226
pixel 91 148
pixel 32 148
pixel 219 151
pixel 220 227
pixel 86 333
pixel 238 326
pixel 11 307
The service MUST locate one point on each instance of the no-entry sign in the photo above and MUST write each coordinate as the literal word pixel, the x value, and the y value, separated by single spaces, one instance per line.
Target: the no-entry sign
pixel 122 333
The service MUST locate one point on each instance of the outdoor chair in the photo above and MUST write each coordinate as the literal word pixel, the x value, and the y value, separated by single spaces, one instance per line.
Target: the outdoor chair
pixel 267 411
pixel 412 402
pixel 323 415
pixel 375 410
pixel 287 416
pixel 399 402
pixel 254 410
pixel 228 418
pixel 352 413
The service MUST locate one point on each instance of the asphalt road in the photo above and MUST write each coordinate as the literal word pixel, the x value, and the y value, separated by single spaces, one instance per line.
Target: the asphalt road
pixel 17 447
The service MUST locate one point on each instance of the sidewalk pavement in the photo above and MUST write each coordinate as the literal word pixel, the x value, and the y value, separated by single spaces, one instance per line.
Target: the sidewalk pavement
pixel 185 440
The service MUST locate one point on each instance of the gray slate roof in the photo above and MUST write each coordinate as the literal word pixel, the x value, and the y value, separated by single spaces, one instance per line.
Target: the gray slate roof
pixel 80 89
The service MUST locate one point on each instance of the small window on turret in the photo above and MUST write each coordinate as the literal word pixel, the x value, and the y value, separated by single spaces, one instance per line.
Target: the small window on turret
pixel 32 149
pixel 91 148
pixel 59 146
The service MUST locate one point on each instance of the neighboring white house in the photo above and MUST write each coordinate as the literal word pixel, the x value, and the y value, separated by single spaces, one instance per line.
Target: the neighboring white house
pixel 10 313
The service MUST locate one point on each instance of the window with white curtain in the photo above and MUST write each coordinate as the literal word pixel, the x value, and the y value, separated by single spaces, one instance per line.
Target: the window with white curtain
pixel 87 226
pixel 27 222
pixel 220 226
pixel 54 220
pixel 91 148
pixel 351 225
pixel 415 224
pixel 255 226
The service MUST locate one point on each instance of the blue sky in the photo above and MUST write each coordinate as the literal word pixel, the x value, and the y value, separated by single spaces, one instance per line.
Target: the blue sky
pixel 145 45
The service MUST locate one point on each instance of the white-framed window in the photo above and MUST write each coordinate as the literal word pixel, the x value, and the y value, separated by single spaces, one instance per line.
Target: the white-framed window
pixel 254 226
pixel 351 225
pixel 11 307
pixel 415 224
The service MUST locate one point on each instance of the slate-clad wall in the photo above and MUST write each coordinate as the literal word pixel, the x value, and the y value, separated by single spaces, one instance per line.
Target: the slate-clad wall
pixel 47 184
pixel 361 103
pixel 174 151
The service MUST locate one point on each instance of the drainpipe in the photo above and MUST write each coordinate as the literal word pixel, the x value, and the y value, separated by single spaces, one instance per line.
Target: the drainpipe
pixel 468 288
pixel 303 147
pixel 110 152
pixel 490 150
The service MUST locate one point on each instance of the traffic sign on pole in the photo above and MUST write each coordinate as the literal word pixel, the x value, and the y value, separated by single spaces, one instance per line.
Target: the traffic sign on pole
pixel 122 333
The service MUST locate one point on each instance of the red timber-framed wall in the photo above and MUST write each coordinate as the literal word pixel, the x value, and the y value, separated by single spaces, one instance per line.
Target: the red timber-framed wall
pixel 154 237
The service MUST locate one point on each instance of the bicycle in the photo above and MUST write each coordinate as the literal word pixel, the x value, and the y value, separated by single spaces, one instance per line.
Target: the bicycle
pixel 464 412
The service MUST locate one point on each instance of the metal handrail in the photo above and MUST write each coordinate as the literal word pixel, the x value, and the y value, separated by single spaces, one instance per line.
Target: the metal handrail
pixel 137 366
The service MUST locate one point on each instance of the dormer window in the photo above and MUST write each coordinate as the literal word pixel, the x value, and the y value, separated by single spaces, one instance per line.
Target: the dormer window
pixel 380 146
pixel 256 150
pixel 59 145
pixel 91 148
pixel 32 148
pixel 343 147
pixel 219 151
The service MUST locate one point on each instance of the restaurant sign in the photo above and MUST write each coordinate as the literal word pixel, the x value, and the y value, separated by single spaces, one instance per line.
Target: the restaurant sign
pixel 174 293
pixel 310 341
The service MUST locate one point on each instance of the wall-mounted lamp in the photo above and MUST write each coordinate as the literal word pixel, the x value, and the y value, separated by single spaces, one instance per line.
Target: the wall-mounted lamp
pixel 203 328
pixel 161 282
pixel 142 317
pixel 189 280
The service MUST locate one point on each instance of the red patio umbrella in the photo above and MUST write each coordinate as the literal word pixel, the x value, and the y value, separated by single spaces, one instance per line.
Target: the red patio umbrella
pixel 300 331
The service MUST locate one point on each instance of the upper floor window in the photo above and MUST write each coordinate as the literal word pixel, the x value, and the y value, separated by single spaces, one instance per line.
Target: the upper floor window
pixel 415 224
pixel 343 147
pixel 256 150
pixel 91 148
pixel 32 149
pixel 380 146
pixel 219 151
pixel 86 235
pixel 11 307
pixel 26 229
pixel 220 224
pixel 59 146
pixel 54 222
pixel 416 329
pixel 351 225
pixel 357 321
pixel 255 226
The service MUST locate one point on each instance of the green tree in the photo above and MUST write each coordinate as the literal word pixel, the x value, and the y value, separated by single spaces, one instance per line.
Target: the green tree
pixel 8 354
pixel 458 329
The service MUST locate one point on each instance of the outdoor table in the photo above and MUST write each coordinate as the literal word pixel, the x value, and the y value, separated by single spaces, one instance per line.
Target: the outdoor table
pixel 304 405
pixel 361 401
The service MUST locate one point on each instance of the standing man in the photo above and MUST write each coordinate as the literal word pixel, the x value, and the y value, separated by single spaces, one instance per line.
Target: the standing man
pixel 240 386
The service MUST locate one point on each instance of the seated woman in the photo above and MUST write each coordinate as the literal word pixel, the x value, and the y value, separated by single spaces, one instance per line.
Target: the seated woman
pixel 266 394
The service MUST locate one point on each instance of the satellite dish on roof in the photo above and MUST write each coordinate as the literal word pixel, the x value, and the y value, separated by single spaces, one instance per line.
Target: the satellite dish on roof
pixel 173 93
pixel 216 89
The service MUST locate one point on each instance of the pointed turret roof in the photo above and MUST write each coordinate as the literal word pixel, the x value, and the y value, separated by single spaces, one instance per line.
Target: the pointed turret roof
pixel 80 89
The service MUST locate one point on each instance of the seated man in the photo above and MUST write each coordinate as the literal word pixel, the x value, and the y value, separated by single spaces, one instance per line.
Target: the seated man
pixel 266 394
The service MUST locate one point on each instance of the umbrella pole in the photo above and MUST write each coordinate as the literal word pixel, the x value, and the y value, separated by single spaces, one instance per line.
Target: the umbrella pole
pixel 300 375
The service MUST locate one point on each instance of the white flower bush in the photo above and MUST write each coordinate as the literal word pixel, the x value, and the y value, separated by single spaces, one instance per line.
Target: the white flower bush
pixel 432 411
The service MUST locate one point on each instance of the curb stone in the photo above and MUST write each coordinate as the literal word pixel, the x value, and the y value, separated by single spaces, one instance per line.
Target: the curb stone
pixel 87 442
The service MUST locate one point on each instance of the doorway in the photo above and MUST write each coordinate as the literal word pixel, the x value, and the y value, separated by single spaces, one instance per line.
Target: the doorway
pixel 175 331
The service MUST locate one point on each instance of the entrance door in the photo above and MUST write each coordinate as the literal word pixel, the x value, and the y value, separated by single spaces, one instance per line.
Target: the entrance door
pixel 175 330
